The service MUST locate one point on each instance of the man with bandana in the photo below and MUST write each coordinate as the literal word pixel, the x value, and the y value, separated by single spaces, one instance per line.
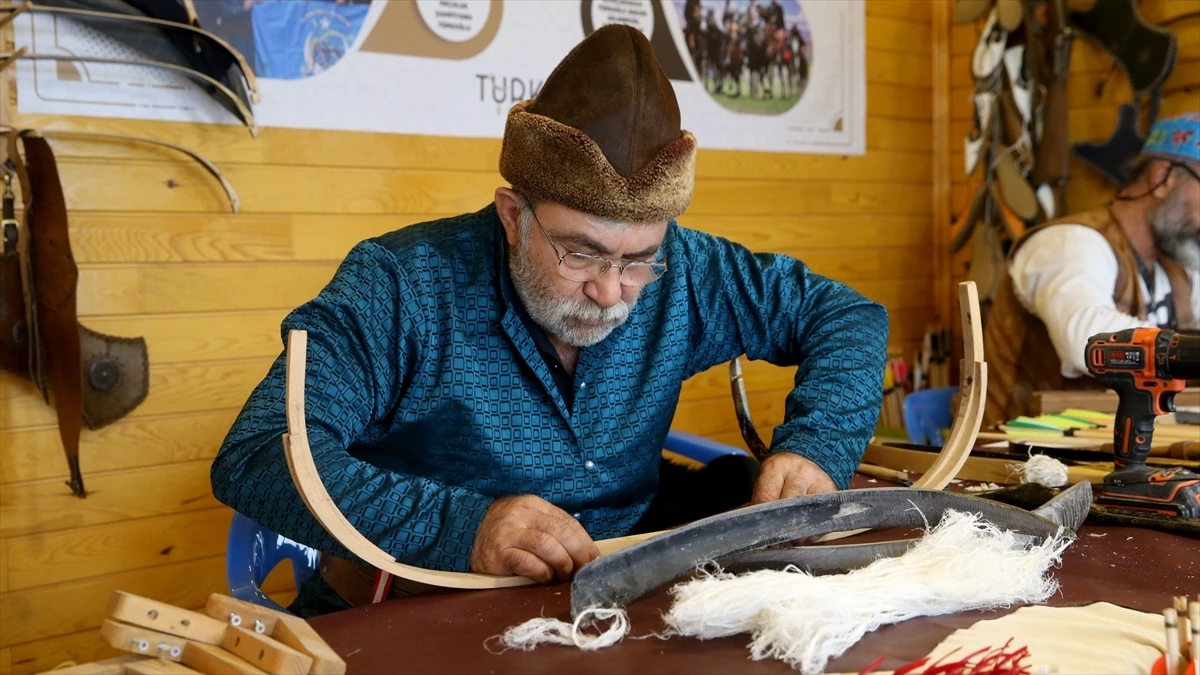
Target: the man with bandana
pixel 1134 262
pixel 491 392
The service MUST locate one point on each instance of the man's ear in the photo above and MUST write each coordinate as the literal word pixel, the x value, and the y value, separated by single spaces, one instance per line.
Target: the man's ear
pixel 508 206
pixel 1162 179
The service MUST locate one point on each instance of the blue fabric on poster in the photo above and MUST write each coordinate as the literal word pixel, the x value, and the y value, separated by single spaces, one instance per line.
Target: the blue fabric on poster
pixel 427 397
pixel 294 39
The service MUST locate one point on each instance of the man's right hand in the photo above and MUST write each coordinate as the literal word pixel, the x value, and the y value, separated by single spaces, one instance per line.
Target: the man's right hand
pixel 528 536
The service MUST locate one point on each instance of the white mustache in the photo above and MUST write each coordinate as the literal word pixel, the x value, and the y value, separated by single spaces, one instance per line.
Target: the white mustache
pixel 594 313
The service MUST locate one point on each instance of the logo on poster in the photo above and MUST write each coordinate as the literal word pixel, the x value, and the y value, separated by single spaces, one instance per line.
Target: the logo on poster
pixel 454 20
pixel 504 91
pixel 636 13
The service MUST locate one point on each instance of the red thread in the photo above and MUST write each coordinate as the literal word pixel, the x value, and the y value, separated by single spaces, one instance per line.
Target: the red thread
pixel 987 661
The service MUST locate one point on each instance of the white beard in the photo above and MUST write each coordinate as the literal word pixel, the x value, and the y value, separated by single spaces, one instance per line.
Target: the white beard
pixel 1175 231
pixel 558 316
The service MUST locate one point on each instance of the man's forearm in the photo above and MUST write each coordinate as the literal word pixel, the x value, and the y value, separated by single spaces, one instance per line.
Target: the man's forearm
pixel 1070 327
pixel 419 521
pixel 832 412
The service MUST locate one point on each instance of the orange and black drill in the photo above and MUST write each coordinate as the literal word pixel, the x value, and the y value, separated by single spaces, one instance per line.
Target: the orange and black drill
pixel 1146 367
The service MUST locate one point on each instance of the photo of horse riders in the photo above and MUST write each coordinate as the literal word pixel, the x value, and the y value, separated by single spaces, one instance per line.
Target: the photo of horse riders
pixel 752 55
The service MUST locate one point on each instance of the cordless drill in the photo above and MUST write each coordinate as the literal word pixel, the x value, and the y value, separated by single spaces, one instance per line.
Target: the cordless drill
pixel 1146 367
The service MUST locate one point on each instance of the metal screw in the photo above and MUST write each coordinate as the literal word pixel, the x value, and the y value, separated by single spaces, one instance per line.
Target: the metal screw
pixel 235 619
pixel 259 627
pixel 140 645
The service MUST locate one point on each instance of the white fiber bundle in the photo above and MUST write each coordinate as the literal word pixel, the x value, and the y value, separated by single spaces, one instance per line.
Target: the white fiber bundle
pixel 1045 470
pixel 961 564
pixel 541 630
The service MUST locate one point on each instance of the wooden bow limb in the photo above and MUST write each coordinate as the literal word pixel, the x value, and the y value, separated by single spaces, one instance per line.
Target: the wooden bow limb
pixel 11 12
pixel 247 73
pixel 230 193
pixel 7 60
pixel 972 397
pixel 315 496
pixel 972 392
pixel 244 112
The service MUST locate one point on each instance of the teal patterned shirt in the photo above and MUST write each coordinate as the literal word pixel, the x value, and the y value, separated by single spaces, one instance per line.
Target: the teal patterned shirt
pixel 427 398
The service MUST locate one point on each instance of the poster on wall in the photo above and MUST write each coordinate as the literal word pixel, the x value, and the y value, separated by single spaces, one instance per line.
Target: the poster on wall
pixel 766 75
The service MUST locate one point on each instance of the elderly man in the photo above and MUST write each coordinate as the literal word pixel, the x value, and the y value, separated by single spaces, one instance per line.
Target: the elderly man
pixel 1133 262
pixel 491 392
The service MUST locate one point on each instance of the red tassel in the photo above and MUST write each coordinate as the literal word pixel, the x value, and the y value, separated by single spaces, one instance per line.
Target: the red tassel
pixel 1000 661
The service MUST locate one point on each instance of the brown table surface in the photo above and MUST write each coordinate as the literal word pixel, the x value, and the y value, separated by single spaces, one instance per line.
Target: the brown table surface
pixel 445 632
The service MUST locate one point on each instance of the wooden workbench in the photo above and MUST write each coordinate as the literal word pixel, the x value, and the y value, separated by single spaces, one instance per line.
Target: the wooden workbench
pixel 445 632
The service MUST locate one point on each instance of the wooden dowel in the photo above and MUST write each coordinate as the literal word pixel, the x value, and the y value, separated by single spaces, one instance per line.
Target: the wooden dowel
pixel 1194 620
pixel 1170 623
pixel 884 473
pixel 1181 609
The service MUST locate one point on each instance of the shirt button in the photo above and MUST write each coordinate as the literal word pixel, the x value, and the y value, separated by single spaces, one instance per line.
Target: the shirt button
pixel 589 465
pixel 583 385
pixel 576 516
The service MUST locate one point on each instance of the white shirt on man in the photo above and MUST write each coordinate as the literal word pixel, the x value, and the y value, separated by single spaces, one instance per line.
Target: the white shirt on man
pixel 1065 275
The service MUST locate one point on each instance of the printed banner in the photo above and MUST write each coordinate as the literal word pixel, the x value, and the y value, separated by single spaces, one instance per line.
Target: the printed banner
pixel 770 75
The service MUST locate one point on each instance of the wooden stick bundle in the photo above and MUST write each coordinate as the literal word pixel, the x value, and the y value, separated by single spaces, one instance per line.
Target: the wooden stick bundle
pixel 230 636
pixel 1179 622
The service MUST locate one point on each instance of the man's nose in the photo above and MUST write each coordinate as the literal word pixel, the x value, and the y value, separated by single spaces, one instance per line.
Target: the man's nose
pixel 605 290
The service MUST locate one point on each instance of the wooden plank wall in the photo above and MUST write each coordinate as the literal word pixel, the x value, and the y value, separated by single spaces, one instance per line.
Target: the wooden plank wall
pixel 160 257
pixel 1093 108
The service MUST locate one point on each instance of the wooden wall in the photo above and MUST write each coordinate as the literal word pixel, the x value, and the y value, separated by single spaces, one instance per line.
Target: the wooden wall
pixel 1093 115
pixel 160 257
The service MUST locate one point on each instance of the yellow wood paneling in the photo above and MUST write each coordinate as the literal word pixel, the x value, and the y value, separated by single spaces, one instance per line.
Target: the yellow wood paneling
pixel 916 12
pixel 44 506
pixel 56 557
pixel 63 609
pixel 130 237
pixel 178 388
pixel 188 338
pixel 90 185
pixel 42 655
pixel 161 257
pixel 35 453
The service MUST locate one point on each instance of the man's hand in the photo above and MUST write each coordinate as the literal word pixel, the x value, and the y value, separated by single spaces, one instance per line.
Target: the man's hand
pixel 528 536
pixel 785 474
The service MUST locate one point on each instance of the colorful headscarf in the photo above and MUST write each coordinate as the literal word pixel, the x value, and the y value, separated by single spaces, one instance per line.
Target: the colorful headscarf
pixel 1175 138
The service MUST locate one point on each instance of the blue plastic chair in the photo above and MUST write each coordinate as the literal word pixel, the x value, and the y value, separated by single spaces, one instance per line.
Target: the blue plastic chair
pixel 698 448
pixel 927 413
pixel 253 551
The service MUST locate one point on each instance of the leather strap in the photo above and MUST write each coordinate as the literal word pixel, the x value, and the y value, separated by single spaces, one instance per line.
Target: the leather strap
pixel 362 585
pixel 54 279
pixel 14 341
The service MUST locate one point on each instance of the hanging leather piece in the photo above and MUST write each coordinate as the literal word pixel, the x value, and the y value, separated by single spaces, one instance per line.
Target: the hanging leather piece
pixel 95 378
pixel 1111 158
pixel 14 338
pixel 1145 52
pixel 54 277
pixel 116 376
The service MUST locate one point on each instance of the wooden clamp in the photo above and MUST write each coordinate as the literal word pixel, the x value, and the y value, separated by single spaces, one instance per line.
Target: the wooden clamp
pixel 230 636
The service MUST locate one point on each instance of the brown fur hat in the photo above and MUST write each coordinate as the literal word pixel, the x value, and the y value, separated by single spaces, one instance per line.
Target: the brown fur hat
pixel 603 136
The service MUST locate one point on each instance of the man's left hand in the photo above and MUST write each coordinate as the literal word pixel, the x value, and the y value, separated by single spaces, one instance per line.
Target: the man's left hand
pixel 785 474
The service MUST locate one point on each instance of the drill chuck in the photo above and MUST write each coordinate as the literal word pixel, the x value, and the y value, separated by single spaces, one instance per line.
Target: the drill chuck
pixel 1183 356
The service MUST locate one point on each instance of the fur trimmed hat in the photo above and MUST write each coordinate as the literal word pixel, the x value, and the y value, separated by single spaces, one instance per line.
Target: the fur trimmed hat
pixel 603 136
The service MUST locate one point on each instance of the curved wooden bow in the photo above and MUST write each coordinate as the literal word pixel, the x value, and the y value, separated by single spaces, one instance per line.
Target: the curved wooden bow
pixel 248 76
pixel 230 193
pixel 243 111
pixel 315 496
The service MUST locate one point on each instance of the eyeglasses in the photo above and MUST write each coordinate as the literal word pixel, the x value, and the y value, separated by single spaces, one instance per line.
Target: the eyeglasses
pixel 583 267
pixel 1187 168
